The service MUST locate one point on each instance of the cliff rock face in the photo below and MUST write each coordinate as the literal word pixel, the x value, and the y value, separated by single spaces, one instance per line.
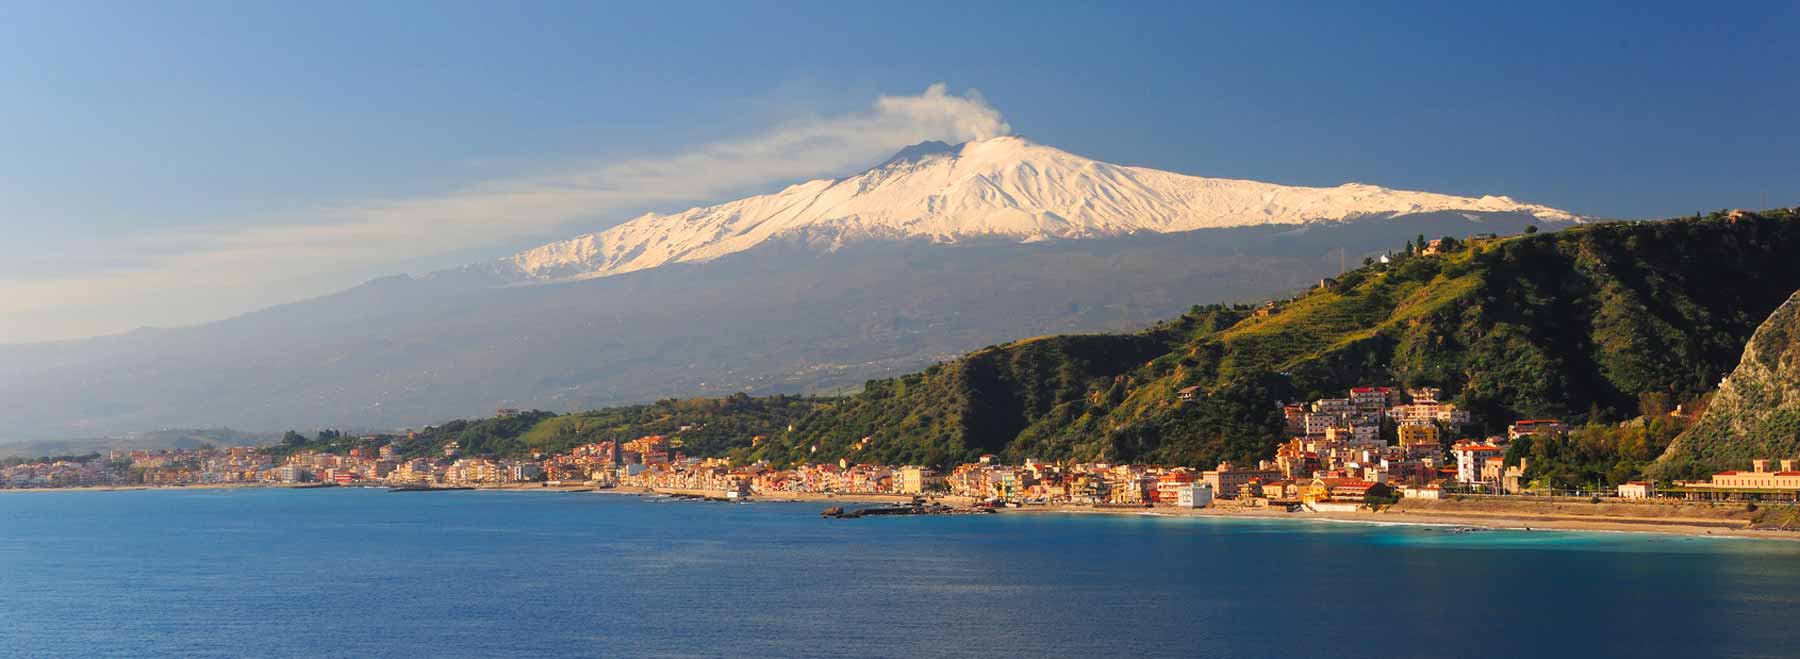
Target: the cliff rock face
pixel 1756 413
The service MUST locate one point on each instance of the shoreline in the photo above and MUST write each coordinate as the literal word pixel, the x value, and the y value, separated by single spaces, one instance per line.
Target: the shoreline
pixel 1471 519
pixel 1440 513
pixel 1434 513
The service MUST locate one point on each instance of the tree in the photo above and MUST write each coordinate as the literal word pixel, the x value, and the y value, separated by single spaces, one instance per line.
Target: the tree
pixel 292 438
pixel 1421 242
pixel 1531 229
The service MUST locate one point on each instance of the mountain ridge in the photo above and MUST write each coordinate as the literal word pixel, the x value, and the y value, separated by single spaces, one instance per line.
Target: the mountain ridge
pixel 402 351
pixel 1004 187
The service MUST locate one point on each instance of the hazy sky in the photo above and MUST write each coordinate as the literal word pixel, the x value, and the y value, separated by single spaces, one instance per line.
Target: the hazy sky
pixel 166 163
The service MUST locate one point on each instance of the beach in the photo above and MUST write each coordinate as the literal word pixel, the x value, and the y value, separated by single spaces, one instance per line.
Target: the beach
pixel 1664 517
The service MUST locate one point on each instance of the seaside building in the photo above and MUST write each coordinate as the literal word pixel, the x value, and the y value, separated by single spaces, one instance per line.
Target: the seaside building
pixel 1340 494
pixel 1429 491
pixel 1760 483
pixel 1228 478
pixel 1472 459
pixel 1170 484
pixel 524 471
pixel 1194 495
pixel 915 480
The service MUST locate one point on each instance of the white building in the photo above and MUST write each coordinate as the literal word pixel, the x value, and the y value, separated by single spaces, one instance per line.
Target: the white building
pixel 1634 490
pixel 1194 495
pixel 1471 458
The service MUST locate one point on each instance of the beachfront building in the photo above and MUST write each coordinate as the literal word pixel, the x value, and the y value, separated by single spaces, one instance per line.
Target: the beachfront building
pixel 1340 494
pixel 1194 495
pixel 1170 484
pixel 1634 490
pixel 1760 483
pixel 1228 478
pixel 1431 491
pixel 1472 459
pixel 915 480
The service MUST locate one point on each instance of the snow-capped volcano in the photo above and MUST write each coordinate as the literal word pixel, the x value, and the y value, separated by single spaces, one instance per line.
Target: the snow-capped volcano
pixel 1004 188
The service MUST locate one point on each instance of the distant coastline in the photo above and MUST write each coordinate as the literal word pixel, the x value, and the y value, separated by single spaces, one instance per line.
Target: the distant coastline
pixel 1564 517
pixel 1438 513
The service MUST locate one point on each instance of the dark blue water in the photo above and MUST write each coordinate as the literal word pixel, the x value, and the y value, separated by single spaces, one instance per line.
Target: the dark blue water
pixel 363 573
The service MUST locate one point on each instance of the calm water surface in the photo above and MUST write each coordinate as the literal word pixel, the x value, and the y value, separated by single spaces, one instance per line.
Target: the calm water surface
pixel 365 573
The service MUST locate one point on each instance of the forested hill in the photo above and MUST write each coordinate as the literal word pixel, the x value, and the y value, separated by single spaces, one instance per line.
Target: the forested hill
pixel 1581 324
pixel 1590 324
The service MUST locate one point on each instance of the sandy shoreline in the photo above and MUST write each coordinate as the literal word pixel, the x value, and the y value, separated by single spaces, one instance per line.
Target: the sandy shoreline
pixel 1669 519
pixel 1439 513
pixel 1473 519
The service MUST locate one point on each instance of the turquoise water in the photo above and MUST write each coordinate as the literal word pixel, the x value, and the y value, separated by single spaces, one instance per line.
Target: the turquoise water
pixel 364 573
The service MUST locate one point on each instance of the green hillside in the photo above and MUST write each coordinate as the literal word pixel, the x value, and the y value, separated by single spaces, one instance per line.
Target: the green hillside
pixel 1591 324
pixel 702 426
pixel 1581 324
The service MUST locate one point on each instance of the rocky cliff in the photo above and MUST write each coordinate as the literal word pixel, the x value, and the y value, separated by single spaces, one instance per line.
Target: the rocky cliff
pixel 1756 412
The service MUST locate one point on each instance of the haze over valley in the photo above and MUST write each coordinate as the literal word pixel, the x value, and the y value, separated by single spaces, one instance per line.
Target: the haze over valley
pixel 812 289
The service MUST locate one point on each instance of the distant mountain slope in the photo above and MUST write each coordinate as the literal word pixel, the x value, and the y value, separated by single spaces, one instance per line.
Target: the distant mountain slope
pixel 818 287
pixel 404 351
pixel 1578 324
pixel 1756 413
pixel 1005 187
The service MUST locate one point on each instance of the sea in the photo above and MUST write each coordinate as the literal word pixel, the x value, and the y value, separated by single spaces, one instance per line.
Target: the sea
pixel 368 573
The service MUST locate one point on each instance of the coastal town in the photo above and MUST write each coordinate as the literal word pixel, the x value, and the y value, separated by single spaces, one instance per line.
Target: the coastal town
pixel 1374 445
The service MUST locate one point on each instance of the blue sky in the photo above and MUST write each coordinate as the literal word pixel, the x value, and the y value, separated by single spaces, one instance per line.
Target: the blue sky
pixel 157 155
